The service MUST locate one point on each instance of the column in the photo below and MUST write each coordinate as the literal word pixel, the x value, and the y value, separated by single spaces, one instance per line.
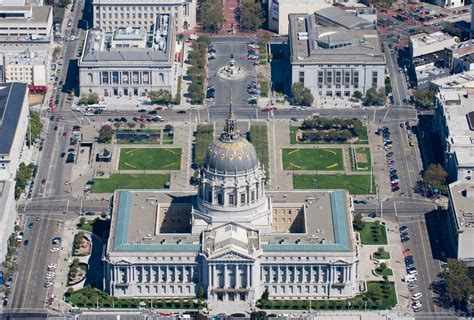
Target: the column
pixel 226 277
pixel 158 272
pixel 215 280
pixel 286 274
pixel 168 278
pixel 175 268
pixel 311 274
pixel 279 274
pixel 209 275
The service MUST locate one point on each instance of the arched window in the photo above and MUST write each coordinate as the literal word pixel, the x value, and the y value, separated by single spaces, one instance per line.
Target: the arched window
pixel 161 77
pixel 90 77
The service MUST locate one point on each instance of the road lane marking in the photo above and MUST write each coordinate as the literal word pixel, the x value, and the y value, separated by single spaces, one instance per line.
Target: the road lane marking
pixel 424 252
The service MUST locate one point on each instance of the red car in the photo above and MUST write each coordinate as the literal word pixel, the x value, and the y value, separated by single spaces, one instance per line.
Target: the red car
pixel 58 119
pixel 159 108
pixel 266 109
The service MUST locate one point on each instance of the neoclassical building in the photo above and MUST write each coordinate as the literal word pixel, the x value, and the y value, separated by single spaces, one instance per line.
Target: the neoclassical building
pixel 233 238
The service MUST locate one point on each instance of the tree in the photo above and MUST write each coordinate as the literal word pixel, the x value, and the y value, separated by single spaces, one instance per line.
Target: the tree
pixel 458 283
pixel 251 16
pixel 265 295
pixel 161 96
pixel 103 215
pixel 82 220
pixel 357 95
pixel 105 134
pixel 435 177
pixel 212 15
pixel 301 96
pixel 374 97
pixel 131 125
pixel 358 223
pixel 258 315
pixel 423 99
pixel 201 293
pixel 56 52
pixel 117 125
pixel 265 38
pixel 388 85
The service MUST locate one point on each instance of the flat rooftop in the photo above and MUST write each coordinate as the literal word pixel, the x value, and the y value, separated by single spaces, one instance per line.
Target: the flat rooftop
pixel 459 80
pixel 146 220
pixel 335 16
pixel 25 57
pixel 458 109
pixel 12 96
pixel 39 14
pixel 462 199
pixel 145 47
pixel 313 44
pixel 425 39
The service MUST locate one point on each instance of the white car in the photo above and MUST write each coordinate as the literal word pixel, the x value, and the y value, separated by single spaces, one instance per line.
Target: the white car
pixel 413 272
pixel 76 109
pixel 89 114
pixel 416 296
pixel 55 249
pixel 52 266
pixel 416 304
pixel 48 284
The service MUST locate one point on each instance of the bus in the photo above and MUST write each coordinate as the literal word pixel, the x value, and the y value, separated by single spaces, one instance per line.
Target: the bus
pixel 94 107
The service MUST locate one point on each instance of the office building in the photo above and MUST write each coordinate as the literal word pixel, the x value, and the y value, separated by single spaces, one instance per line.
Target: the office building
pixel 333 61
pixel 129 61
pixel 460 57
pixel 30 67
pixel 233 239
pixel 25 26
pixel 461 220
pixel 337 17
pixel 454 122
pixel 111 14
pixel 421 44
pixel 13 125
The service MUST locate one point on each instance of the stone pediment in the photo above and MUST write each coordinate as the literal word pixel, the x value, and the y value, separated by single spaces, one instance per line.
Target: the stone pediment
pixel 123 263
pixel 231 255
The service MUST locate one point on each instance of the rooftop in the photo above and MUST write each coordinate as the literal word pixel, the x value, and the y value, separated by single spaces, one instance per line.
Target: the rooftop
pixel 311 43
pixel 337 17
pixel 12 96
pixel 462 198
pixel 457 104
pixel 462 49
pixel 425 39
pixel 5 188
pixel 25 57
pixel 161 221
pixel 39 14
pixel 459 80
pixel 131 44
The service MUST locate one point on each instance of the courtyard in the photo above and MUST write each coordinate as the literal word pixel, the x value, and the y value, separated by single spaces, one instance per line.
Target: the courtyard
pixel 355 184
pixel 130 181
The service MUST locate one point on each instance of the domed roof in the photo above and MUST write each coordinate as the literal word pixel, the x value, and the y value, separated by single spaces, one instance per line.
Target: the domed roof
pixel 232 153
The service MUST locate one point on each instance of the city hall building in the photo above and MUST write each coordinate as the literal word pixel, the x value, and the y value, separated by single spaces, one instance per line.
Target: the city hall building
pixel 233 239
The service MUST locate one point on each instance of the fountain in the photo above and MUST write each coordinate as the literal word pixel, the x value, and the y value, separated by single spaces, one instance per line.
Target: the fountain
pixel 231 71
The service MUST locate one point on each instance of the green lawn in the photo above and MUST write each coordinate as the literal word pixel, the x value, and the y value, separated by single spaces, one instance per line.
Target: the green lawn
pixel 363 138
pixel 384 272
pixel 264 89
pixel 355 184
pixel 150 159
pixel 373 233
pixel 167 138
pixel 384 255
pixel 130 181
pixel 312 159
pixel 379 296
pixel 258 136
pixel 204 136
pixel 364 162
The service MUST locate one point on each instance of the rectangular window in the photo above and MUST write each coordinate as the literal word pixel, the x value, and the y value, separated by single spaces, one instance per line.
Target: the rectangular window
pixel 242 198
pixel 355 79
pixel 320 77
pixel 146 77
pixel 301 77
pixel 135 77
pixel 252 195
pixel 220 200
pixel 115 77
pixel 328 77
pixel 375 75
pixel 231 200
pixel 338 76
pixel 125 77
pixel 105 78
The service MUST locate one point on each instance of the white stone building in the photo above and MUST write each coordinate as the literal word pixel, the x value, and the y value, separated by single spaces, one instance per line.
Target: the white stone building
pixel 333 61
pixel 25 26
pixel 129 61
pixel 13 125
pixel 233 239
pixel 111 14
pixel 461 220
pixel 30 67
pixel 454 122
